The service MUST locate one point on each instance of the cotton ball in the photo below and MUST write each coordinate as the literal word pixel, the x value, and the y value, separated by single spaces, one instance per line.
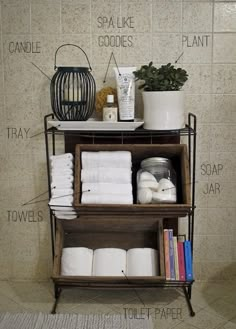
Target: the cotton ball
pixel 165 184
pixel 148 184
pixel 145 175
pixel 161 197
pixel 144 195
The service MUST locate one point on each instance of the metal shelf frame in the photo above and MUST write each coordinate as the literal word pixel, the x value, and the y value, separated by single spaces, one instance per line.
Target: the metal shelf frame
pixel 189 131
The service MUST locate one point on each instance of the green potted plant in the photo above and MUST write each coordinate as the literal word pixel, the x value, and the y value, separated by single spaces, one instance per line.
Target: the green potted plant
pixel 162 96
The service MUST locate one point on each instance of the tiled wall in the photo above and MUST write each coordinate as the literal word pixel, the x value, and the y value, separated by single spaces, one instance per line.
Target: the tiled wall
pixel 161 30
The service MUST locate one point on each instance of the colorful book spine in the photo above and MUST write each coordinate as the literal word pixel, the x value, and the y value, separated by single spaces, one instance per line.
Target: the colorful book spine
pixel 180 246
pixel 188 261
pixel 167 254
pixel 172 256
pixel 176 258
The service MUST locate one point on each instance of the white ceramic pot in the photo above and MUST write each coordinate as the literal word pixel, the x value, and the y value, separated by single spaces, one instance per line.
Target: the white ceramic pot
pixel 163 110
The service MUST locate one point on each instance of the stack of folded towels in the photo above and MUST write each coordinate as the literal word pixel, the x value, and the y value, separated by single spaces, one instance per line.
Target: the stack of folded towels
pixel 80 261
pixel 62 178
pixel 106 177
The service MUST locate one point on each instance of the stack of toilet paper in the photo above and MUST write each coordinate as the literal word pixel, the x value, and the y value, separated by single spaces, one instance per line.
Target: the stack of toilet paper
pixel 106 177
pixel 151 191
pixel 62 178
pixel 109 262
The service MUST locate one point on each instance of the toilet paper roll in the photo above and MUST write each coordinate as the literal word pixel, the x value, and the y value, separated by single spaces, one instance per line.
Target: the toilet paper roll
pixel 76 261
pixel 142 262
pixel 109 262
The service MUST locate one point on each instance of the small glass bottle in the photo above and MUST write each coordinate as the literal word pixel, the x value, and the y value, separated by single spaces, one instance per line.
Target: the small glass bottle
pixel 110 111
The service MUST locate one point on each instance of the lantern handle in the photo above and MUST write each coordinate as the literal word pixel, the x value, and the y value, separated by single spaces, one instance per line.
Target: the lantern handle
pixel 71 44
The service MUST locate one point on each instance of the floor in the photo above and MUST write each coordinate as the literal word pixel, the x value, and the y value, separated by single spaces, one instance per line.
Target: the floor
pixel 214 303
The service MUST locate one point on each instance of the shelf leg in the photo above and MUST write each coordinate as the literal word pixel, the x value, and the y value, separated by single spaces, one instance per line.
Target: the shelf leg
pixel 57 296
pixel 187 297
pixel 190 292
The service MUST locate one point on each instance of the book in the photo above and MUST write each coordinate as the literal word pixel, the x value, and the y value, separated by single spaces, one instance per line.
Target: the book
pixel 188 260
pixel 176 258
pixel 167 254
pixel 180 246
pixel 172 256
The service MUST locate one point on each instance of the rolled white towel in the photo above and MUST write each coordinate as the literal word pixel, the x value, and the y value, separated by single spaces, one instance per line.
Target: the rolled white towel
pixel 107 188
pixel 61 215
pixel 109 262
pixel 76 261
pixel 63 201
pixel 62 192
pixel 108 159
pixel 59 178
pixel 61 185
pixel 61 208
pixel 65 212
pixel 106 175
pixel 61 172
pixel 65 156
pixel 92 198
pixel 62 165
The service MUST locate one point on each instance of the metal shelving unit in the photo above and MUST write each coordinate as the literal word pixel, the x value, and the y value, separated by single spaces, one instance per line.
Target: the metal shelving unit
pixel 139 135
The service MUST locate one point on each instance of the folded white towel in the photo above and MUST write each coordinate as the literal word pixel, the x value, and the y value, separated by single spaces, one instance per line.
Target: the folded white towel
pixel 63 201
pixel 108 159
pixel 61 185
pixel 107 188
pixel 106 175
pixel 65 156
pixel 62 192
pixel 61 172
pixel 93 198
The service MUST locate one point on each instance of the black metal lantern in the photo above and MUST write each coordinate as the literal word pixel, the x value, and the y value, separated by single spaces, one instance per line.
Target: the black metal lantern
pixel 73 91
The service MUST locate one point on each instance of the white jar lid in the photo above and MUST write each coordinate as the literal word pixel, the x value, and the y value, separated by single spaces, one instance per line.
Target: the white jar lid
pixel 154 161
pixel 110 98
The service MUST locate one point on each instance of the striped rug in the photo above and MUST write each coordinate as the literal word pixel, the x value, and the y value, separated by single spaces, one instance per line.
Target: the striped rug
pixel 70 321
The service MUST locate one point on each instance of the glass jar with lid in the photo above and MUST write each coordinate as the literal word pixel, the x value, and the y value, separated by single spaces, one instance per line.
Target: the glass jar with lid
pixel 156 181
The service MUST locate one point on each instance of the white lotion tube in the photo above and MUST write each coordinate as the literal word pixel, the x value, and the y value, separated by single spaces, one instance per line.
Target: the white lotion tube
pixel 125 92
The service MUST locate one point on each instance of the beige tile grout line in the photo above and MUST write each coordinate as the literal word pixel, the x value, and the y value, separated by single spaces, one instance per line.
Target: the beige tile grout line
pixel 60 17
pixel 90 33
pixel 151 30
